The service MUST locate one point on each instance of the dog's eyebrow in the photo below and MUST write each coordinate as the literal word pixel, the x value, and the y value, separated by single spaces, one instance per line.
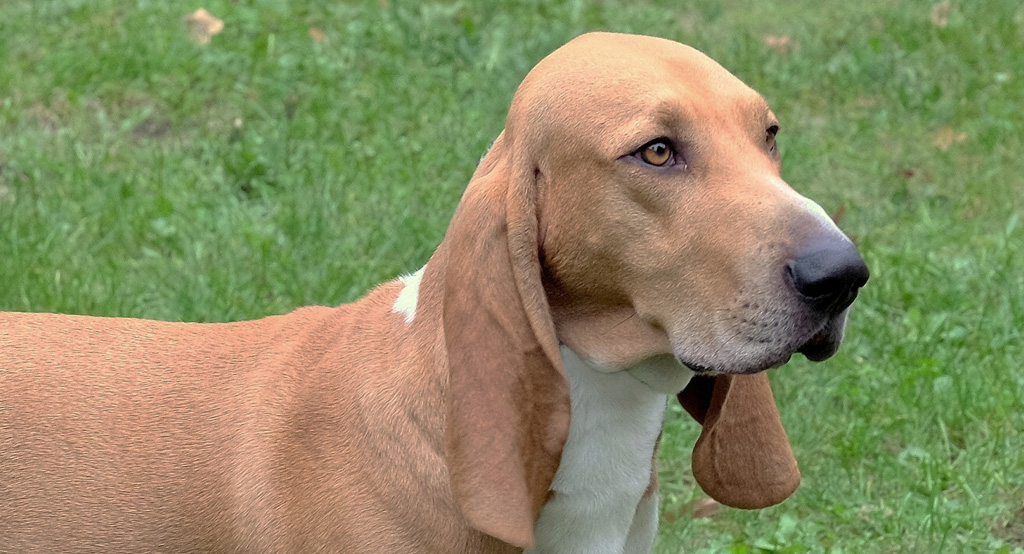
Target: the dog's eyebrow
pixel 769 115
pixel 664 117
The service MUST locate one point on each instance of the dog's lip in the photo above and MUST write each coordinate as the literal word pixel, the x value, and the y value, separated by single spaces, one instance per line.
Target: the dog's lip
pixel 698 369
pixel 822 345
pixel 709 371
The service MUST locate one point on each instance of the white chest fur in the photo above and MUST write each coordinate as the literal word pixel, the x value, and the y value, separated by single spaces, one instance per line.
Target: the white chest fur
pixel 598 506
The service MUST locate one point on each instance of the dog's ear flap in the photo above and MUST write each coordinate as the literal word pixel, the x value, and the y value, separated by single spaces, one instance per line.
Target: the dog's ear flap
pixel 743 457
pixel 508 399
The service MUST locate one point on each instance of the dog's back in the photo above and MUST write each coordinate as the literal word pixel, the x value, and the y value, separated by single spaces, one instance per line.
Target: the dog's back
pixel 111 428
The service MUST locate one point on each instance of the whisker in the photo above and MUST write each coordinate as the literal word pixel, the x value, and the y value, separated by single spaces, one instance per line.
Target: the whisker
pixel 616 326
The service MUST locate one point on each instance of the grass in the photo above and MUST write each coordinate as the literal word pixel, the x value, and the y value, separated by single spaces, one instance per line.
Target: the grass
pixel 144 175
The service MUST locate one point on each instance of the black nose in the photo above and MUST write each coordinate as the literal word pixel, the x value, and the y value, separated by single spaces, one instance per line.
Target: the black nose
pixel 828 274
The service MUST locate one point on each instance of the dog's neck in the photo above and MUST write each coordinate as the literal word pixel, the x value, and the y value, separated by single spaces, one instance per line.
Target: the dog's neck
pixel 598 498
pixel 599 502
pixel 663 374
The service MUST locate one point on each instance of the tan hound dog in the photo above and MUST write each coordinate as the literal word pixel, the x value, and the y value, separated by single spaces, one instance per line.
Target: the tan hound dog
pixel 628 229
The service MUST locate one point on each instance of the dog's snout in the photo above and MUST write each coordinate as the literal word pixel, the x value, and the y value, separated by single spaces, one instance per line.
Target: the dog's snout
pixel 828 274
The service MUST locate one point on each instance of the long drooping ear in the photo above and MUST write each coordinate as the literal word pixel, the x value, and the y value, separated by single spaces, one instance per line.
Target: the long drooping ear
pixel 508 399
pixel 742 458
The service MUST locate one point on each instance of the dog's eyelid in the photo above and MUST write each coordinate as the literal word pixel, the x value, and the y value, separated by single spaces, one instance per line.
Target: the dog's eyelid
pixel 769 138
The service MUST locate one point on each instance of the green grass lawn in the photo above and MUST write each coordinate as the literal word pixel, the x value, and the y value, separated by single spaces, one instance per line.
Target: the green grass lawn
pixel 144 175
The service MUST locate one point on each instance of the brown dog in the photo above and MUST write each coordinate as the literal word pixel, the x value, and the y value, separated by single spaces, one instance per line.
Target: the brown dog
pixel 627 230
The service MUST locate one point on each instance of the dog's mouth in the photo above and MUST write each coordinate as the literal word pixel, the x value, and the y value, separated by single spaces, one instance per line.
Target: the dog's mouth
pixel 707 371
pixel 822 345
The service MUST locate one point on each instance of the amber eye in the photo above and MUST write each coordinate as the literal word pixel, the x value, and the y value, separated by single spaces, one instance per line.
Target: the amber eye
pixel 656 153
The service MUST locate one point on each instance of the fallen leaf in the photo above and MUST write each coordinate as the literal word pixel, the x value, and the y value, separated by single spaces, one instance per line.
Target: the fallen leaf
pixel 151 128
pixel 1012 529
pixel 701 508
pixel 940 14
pixel 203 25
pixel 290 104
pixel 781 43
pixel 867 102
pixel 837 216
pixel 915 175
pixel 706 508
pixel 946 137
pixel 317 35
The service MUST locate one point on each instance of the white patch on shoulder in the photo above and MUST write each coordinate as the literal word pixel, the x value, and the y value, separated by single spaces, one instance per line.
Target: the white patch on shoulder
pixel 606 465
pixel 405 304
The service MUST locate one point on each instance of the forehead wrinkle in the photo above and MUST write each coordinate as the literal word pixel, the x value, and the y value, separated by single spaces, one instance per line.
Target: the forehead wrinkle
pixel 741 111
pixel 665 117
pixel 679 113
pixel 606 114
pixel 675 112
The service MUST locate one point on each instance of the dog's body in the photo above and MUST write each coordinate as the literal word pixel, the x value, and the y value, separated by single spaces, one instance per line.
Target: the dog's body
pixel 242 437
pixel 509 395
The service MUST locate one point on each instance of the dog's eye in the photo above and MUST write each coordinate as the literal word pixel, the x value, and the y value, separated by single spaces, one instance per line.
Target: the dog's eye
pixel 770 138
pixel 657 153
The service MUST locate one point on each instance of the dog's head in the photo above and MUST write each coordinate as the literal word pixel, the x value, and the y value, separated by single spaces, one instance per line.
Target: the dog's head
pixel 633 210
pixel 665 226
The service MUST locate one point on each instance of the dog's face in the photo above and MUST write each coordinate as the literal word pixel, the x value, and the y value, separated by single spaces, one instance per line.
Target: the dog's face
pixel 685 240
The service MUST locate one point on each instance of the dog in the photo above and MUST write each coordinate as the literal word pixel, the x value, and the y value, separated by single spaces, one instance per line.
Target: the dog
pixel 627 238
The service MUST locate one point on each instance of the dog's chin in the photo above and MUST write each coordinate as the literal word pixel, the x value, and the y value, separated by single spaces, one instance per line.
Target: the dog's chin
pixel 756 367
pixel 822 345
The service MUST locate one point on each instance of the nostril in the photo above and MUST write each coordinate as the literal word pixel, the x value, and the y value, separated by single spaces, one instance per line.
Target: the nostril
pixel 810 283
pixel 828 275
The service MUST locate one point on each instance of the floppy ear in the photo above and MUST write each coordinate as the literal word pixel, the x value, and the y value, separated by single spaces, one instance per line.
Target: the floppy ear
pixel 742 458
pixel 508 399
